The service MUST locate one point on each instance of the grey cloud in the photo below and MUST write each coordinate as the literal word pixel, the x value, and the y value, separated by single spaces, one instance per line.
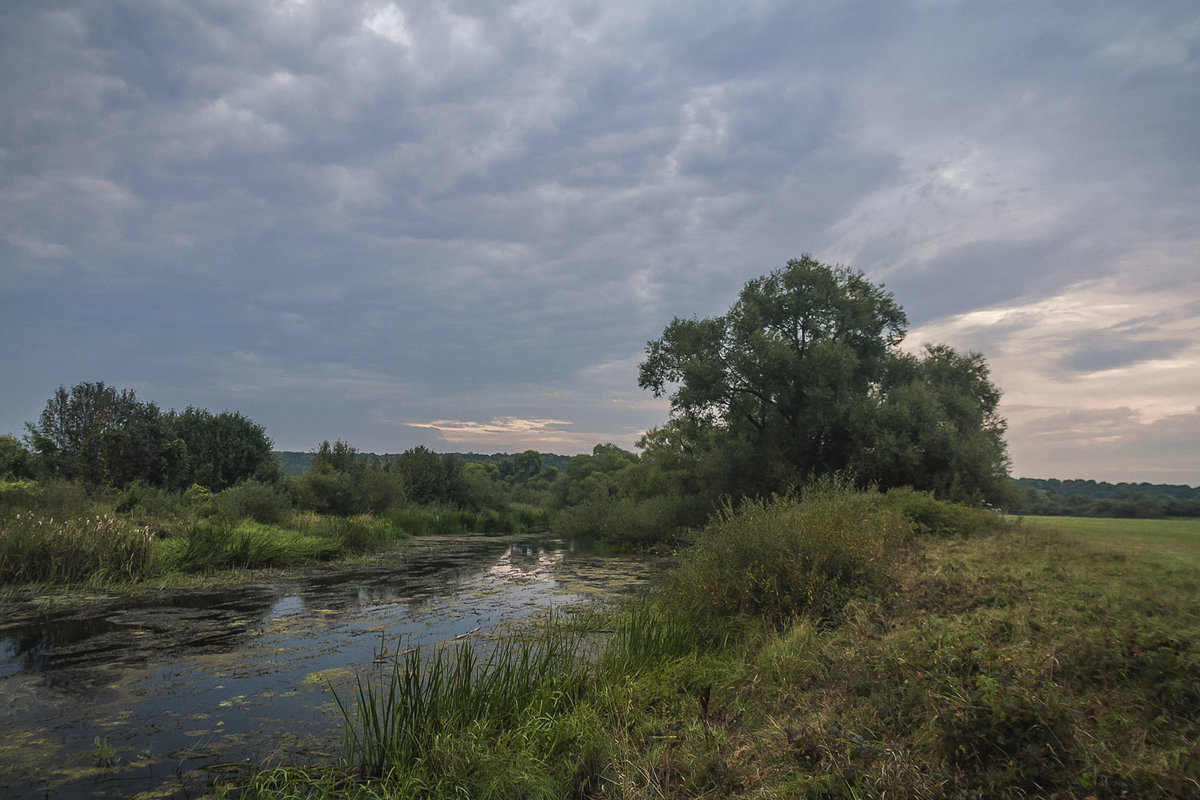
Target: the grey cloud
pixel 497 195
pixel 1104 353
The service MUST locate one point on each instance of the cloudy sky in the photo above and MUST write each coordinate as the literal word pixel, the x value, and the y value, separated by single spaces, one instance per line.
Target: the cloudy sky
pixel 458 223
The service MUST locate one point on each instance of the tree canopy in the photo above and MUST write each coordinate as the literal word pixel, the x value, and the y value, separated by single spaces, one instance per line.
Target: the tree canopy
pixel 103 436
pixel 804 376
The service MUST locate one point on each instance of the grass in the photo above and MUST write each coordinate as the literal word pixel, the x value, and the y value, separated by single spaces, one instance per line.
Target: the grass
pixel 39 549
pixel 55 534
pixel 457 691
pixel 1016 660
pixel 779 558
pixel 427 520
pixel 1165 536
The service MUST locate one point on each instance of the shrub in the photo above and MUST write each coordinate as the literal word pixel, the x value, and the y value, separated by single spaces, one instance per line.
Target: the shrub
pixel 941 518
pixel 64 499
pixel 148 501
pixel 325 491
pixel 19 495
pixel 781 557
pixel 253 500
pixel 621 520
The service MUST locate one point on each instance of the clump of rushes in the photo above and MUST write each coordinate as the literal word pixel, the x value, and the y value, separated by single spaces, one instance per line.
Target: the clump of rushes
pixel 92 549
pixel 394 726
pixel 786 556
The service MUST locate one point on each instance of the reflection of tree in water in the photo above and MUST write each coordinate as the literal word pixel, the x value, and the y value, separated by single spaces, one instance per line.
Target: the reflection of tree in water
pixel 421 577
pixel 28 644
pixel 524 563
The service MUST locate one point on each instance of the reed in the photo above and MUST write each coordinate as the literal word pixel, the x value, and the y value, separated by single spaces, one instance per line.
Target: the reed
pixel 100 549
pixel 646 634
pixel 392 724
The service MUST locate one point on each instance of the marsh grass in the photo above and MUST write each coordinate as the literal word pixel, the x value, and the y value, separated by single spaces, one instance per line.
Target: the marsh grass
pixel 432 695
pixel 778 558
pixel 439 520
pixel 41 549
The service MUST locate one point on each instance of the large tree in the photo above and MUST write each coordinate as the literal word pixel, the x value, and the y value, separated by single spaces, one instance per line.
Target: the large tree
pixel 803 376
pixel 101 436
pixel 218 450
pixel 105 436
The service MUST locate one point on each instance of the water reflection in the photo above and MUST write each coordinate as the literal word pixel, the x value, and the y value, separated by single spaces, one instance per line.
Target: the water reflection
pixel 195 678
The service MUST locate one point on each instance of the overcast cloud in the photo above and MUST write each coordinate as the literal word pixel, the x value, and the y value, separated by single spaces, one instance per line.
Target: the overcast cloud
pixel 458 223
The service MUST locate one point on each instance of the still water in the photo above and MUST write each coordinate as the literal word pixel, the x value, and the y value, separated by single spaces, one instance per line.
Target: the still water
pixel 159 696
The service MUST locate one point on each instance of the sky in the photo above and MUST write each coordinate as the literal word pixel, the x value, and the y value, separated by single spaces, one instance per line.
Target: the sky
pixel 457 224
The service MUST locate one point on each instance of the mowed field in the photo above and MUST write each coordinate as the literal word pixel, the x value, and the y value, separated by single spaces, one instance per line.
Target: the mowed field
pixel 1168 537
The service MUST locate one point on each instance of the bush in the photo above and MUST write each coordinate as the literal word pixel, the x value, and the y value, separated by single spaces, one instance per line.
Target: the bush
pixel 782 557
pixel 325 491
pixel 621 520
pixel 253 500
pixel 19 495
pixel 941 518
pixel 148 501
pixel 53 498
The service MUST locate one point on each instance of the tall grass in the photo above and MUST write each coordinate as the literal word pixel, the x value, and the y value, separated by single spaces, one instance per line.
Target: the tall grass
pixel 786 556
pixel 104 548
pixel 395 724
pixel 216 543
pixel 645 634
pixel 434 520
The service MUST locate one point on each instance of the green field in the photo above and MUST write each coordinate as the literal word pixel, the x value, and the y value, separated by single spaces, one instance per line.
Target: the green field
pixel 1166 543
pixel 1181 535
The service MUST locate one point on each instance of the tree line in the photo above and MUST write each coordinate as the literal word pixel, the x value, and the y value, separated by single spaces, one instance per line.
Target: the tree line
pixel 804 376
pixel 1087 498
pixel 102 436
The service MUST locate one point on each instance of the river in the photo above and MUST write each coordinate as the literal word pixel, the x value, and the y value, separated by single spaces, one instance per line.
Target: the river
pixel 159 694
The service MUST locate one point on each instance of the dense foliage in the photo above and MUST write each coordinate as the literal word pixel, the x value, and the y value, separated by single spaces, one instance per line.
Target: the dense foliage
pixel 1086 498
pixel 803 377
pixel 105 437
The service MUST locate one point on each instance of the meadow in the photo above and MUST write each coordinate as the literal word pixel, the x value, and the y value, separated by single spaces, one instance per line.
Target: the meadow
pixel 902 648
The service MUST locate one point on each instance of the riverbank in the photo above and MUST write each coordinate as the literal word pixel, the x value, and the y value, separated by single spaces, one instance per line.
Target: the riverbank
pixel 996 660
pixel 57 538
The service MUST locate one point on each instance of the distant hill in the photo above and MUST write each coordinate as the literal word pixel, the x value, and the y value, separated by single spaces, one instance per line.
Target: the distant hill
pixel 297 463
